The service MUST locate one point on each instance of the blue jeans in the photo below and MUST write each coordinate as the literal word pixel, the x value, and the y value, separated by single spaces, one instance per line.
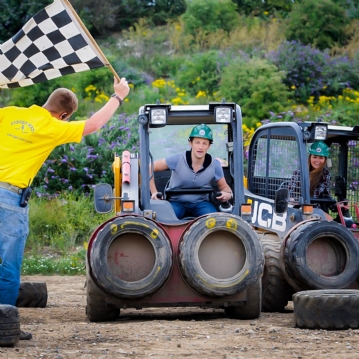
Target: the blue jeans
pixel 189 209
pixel 14 229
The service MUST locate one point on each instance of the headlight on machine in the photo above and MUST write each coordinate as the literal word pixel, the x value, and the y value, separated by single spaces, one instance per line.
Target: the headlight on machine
pixel 223 114
pixel 320 132
pixel 158 116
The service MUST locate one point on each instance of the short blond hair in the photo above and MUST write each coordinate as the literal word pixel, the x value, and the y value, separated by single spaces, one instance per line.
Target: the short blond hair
pixel 62 100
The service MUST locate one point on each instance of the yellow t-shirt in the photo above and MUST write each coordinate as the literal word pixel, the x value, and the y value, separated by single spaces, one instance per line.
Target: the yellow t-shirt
pixel 27 137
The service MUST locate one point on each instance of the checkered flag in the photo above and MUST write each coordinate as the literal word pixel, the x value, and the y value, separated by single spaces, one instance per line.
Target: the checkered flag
pixel 51 44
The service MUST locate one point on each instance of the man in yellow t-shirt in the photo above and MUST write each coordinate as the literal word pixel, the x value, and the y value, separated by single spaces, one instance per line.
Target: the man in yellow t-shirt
pixel 27 137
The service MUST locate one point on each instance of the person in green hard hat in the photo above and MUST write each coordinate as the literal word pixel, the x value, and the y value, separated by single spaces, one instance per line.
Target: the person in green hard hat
pixel 193 169
pixel 318 172
pixel 320 182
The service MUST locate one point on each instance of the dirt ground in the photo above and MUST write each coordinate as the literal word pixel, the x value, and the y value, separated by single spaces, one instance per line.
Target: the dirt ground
pixel 61 330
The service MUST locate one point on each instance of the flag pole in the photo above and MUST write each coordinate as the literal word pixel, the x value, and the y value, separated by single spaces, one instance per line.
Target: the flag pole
pixel 91 39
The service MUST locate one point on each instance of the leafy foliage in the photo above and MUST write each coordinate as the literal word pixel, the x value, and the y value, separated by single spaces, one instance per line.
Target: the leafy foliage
pixel 303 66
pixel 311 72
pixel 340 110
pixel 100 16
pixel 341 73
pixel 15 13
pixel 210 16
pixel 202 72
pixel 351 8
pixel 163 11
pixel 317 22
pixel 60 228
pixel 259 7
pixel 111 15
pixel 257 86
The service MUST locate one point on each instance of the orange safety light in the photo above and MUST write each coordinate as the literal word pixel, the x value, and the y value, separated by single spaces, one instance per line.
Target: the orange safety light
pixel 307 209
pixel 128 206
pixel 246 209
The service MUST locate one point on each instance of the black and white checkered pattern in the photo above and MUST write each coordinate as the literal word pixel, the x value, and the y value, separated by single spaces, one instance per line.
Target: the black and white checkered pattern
pixel 51 44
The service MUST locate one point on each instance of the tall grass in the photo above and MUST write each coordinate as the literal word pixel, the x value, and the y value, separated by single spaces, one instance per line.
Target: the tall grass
pixel 60 229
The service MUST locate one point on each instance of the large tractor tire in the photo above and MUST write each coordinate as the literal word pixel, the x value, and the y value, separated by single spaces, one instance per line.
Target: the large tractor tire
pixel 32 295
pixel 326 309
pixel 130 258
pixel 252 307
pixel 322 255
pixel 9 325
pixel 276 292
pixel 97 309
pixel 220 255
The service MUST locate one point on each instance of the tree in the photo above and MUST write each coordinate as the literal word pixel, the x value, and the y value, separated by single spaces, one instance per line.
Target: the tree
pixel 257 86
pixel 258 7
pixel 102 17
pixel 210 16
pixel 164 10
pixel 317 22
pixel 15 13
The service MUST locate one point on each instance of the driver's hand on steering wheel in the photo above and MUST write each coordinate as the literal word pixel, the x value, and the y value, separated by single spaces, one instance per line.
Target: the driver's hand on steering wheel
pixel 157 195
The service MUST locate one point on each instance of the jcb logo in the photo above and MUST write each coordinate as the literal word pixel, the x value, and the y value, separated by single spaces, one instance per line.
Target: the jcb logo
pixel 265 217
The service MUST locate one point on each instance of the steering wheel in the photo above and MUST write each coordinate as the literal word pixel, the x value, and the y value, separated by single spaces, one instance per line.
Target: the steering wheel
pixel 326 201
pixel 188 190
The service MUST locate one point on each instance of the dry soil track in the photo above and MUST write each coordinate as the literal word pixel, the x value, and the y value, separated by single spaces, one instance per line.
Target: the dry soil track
pixel 61 330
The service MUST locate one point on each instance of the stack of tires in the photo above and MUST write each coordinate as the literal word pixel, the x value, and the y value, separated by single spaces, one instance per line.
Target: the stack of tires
pixel 9 325
pixel 321 255
pixel 315 255
pixel 131 257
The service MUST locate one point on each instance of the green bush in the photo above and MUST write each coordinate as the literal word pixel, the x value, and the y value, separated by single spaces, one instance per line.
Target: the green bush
pixel 320 23
pixel 165 10
pixel 201 72
pixel 303 66
pixel 341 73
pixel 15 13
pixel 340 110
pixel 60 229
pixel 147 48
pixel 311 72
pixel 259 7
pixel 210 16
pixel 257 86
pixel 59 225
pixel 163 65
pixel 351 7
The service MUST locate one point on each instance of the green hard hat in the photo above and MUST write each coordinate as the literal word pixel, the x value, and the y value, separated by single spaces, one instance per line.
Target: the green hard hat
pixel 202 131
pixel 319 148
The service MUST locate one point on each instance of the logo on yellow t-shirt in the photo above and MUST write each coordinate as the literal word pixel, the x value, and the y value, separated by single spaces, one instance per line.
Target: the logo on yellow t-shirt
pixel 22 126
